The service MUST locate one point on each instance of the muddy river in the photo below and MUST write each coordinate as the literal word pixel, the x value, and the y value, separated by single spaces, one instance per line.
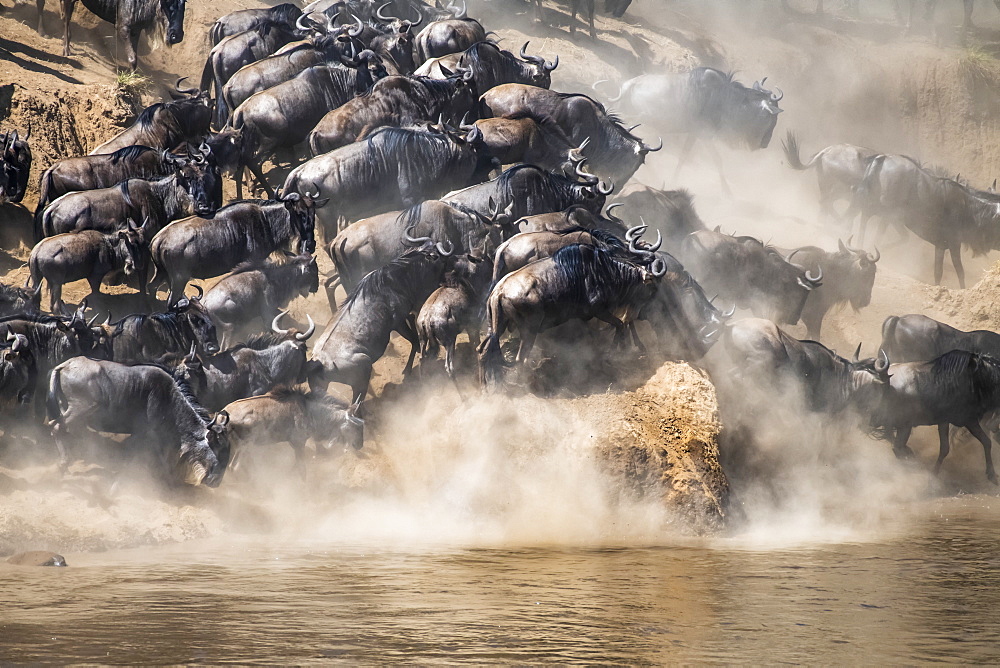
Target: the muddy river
pixel 923 588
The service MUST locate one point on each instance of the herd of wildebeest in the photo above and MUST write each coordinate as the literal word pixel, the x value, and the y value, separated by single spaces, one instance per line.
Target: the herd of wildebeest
pixel 454 192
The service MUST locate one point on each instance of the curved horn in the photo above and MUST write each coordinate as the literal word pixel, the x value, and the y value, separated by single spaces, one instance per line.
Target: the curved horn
pixel 777 97
pixel 877 257
pixel 90 323
pixel 603 188
pixel 635 232
pixel 201 293
pixel 414 241
pixel 551 66
pixel 274 323
pixel 630 129
pixel 420 19
pixel 441 248
pixel 299 22
pixel 191 353
pixel 587 177
pixel 650 149
pixel 882 363
pixel 658 267
pixel 382 16
pixel 857 354
pixel 185 91
pixel 788 258
pixel 815 281
pixel 656 244
pixel 537 60
pixel 612 207
pixel 729 314
pixel 20 341
pixel 359 27
pixel 304 336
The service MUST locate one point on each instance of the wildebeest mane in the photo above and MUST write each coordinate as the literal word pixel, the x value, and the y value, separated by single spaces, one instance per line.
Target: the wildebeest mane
pixel 145 119
pixel 424 151
pixel 581 277
pixel 951 371
pixel 261 341
pixel 129 153
pixel 392 282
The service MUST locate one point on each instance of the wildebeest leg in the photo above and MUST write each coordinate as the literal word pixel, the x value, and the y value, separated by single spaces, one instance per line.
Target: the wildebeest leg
pixel 238 177
pixel 899 447
pixel 130 36
pixel 40 5
pixel 685 152
pixel 720 166
pixel 635 338
pixel 938 264
pixel 945 446
pixel 67 7
pixel 55 296
pixel 257 171
pixel 976 430
pixel 177 285
pixel 408 331
pixel 359 388
pixel 956 261
pixel 95 288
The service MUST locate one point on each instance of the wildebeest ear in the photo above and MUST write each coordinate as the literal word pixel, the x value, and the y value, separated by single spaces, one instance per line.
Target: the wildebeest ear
pixel 122 234
pixel 181 305
pixel 841 247
pixel 445 71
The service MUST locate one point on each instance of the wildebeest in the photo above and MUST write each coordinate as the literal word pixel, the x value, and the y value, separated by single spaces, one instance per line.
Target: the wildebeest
pixel 395 101
pixel 281 67
pixel 839 170
pixel 526 190
pixel 159 412
pixel 373 242
pixel 18 371
pixel 613 151
pixel 571 218
pixel 491 66
pixel 671 213
pixel 917 338
pixel 248 369
pixel 704 103
pixel 768 358
pixel 939 210
pixel 293 417
pixel 130 17
pixel 439 38
pixel 584 7
pixel 958 388
pixel 235 51
pixel 285 114
pixel 383 302
pixel 146 337
pixel 452 309
pixel 393 168
pixel 241 232
pixel 166 125
pixel 192 188
pixel 516 140
pixel 54 339
pixel 91 172
pixel 577 282
pixel 849 275
pixel 243 20
pixel 15 299
pixel 258 290
pixel 750 274
pixel 90 255
pixel 15 165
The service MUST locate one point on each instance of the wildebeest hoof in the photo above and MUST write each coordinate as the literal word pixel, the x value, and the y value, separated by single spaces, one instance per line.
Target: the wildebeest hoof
pixel 992 477
pixel 37 558
pixel 904 453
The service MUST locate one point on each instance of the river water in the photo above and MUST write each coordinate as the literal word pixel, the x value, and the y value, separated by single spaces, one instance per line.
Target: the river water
pixel 924 588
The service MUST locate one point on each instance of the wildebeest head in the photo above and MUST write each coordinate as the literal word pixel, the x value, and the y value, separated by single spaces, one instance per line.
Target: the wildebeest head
pixel 295 340
pixel 173 16
pixel 870 378
pixel 758 116
pixel 485 162
pixel 191 109
pixel 217 435
pixel 541 70
pixel 593 192
pixel 91 340
pixel 686 321
pixel 198 463
pixel 302 216
pixel 855 273
pixel 198 321
pixel 17 369
pixel 201 178
pixel 225 148
pixel 132 243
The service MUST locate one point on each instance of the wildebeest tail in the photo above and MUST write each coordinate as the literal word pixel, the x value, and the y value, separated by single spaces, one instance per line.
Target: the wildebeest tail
pixel 221 108
pixel 215 34
pixel 791 148
pixel 54 397
pixel 869 181
pixel 491 362
pixel 44 188
pixel 889 335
